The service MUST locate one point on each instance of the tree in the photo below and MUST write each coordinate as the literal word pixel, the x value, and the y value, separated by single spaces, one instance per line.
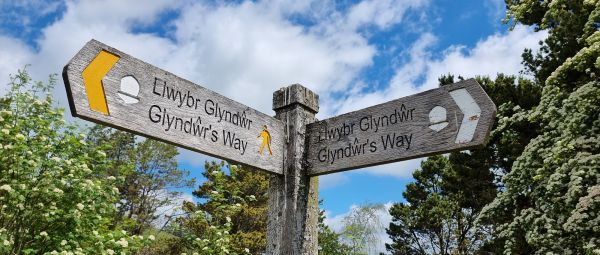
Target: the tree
pixel 150 172
pixel 551 197
pixel 55 195
pixel 235 203
pixel 427 222
pixel 329 240
pixel 361 228
pixel 449 193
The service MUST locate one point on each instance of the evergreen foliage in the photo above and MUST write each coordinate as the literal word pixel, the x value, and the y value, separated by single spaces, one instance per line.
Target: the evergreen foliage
pixel 550 200
pixel 150 172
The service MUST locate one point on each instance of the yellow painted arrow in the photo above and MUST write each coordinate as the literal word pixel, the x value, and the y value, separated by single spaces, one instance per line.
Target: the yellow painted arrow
pixel 92 79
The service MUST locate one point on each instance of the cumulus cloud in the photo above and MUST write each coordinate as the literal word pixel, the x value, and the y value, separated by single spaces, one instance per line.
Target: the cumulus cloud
pixel 14 56
pixel 498 53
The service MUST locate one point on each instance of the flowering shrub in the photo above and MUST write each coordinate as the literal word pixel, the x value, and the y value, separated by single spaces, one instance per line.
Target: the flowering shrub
pixel 55 197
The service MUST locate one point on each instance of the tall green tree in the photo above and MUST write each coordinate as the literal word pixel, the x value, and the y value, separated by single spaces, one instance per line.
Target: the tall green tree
pixel 234 198
pixel 428 222
pixel 55 193
pixel 150 174
pixel 551 198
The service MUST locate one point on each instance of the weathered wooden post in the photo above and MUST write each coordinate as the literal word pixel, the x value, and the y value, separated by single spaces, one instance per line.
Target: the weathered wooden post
pixel 293 196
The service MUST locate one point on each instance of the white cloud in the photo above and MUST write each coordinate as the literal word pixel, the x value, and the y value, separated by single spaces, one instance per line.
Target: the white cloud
pixel 402 169
pixel 336 223
pixel 498 53
pixel 248 51
pixel 14 56
pixel 332 180
pixel 382 13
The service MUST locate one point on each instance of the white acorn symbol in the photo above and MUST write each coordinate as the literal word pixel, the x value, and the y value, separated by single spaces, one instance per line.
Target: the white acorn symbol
pixel 129 90
pixel 437 118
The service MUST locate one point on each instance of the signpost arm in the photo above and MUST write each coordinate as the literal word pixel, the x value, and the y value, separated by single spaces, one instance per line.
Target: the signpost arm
pixel 293 196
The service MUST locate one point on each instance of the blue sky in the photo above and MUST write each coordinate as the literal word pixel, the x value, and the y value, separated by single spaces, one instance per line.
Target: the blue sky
pixel 352 53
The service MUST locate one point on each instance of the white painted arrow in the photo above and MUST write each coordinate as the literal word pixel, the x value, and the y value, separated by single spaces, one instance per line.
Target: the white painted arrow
pixel 471 112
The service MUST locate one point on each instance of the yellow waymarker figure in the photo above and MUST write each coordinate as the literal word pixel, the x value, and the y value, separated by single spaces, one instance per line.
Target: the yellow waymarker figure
pixel 92 78
pixel 266 140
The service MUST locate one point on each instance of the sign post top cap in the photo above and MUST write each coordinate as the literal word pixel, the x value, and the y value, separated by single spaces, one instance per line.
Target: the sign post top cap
pixel 296 94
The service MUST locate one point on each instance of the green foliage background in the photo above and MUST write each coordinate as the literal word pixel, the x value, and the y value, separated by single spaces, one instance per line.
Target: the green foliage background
pixel 55 194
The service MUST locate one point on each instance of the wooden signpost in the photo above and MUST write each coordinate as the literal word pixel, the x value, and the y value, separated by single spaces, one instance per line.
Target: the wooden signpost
pixel 453 117
pixel 107 86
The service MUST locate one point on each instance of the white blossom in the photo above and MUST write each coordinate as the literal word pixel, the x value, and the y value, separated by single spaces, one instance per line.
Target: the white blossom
pixel 5 131
pixel 122 242
pixel 20 136
pixel 110 252
pixel 44 234
pixel 63 242
pixel 151 237
pixel 6 187
pixel 80 206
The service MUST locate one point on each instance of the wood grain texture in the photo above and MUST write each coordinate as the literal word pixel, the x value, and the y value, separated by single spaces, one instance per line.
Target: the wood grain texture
pixel 293 198
pixel 177 111
pixel 395 131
